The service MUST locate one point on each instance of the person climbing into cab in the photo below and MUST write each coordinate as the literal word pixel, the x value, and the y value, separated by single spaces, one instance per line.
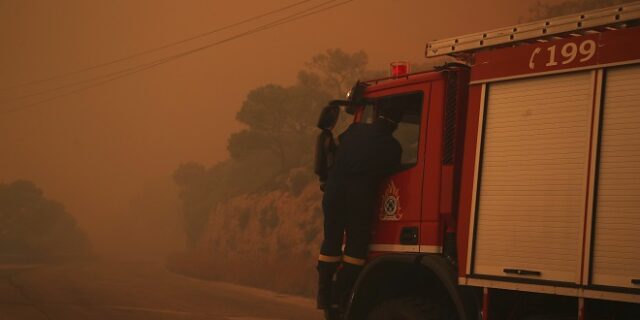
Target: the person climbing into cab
pixel 366 153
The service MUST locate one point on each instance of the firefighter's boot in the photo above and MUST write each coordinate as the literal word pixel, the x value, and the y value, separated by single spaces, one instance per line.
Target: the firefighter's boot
pixel 345 280
pixel 332 313
pixel 326 271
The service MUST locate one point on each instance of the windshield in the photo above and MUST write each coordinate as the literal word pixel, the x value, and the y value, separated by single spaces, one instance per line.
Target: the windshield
pixel 408 132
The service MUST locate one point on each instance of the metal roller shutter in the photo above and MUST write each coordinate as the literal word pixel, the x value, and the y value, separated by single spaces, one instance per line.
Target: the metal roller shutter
pixel 532 185
pixel 616 255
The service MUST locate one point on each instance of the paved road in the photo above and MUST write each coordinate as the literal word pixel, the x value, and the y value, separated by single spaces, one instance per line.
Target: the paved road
pixel 96 291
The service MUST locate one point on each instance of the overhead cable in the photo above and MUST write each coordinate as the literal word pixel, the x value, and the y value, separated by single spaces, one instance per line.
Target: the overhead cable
pixel 156 49
pixel 133 70
pixel 99 77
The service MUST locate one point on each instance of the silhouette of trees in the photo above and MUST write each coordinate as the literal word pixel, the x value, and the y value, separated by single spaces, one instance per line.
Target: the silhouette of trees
pixel 32 225
pixel 191 178
pixel 278 137
pixel 339 70
pixel 280 122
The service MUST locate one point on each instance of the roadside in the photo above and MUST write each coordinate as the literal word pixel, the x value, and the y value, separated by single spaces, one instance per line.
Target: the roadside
pixel 133 290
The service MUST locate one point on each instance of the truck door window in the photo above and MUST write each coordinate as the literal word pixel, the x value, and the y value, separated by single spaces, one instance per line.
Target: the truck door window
pixel 408 132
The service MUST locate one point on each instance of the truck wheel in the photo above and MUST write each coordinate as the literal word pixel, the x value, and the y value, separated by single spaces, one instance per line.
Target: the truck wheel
pixel 411 308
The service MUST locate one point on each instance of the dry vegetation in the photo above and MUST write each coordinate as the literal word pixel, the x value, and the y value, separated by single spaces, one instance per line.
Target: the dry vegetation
pixel 267 240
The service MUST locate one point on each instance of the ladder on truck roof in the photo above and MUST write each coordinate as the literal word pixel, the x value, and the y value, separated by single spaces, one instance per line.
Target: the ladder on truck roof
pixel 542 30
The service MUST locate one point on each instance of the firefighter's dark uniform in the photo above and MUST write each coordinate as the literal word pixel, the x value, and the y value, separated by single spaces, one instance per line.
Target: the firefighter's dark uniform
pixel 366 153
pixel 325 155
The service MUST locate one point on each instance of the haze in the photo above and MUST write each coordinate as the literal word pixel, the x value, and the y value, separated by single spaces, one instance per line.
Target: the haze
pixel 107 153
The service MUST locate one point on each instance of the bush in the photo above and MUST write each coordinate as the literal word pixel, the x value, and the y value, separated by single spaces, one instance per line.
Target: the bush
pixel 310 233
pixel 243 219
pixel 32 225
pixel 269 219
pixel 299 180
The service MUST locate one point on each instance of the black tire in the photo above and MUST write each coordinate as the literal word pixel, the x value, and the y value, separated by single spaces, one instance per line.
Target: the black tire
pixel 409 308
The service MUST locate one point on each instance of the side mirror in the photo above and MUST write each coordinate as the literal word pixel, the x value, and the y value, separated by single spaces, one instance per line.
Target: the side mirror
pixel 328 117
pixel 355 99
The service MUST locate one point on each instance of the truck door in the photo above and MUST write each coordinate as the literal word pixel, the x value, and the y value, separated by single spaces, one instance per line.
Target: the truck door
pixel 397 217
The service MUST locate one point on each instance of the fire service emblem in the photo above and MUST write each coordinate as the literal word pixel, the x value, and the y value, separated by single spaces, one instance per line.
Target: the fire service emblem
pixel 390 207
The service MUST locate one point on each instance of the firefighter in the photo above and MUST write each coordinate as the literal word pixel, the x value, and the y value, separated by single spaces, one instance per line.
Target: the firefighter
pixel 366 153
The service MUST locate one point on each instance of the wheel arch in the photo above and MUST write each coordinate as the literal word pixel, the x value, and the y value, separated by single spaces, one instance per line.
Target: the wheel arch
pixel 397 275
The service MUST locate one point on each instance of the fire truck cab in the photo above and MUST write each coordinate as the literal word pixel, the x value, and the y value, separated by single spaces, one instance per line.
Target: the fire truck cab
pixel 519 192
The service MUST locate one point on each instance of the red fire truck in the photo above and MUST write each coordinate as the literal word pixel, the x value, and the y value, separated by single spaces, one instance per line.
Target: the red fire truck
pixel 519 194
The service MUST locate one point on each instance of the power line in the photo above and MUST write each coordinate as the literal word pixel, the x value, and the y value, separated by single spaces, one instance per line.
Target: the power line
pixel 126 70
pixel 96 78
pixel 130 71
pixel 156 49
pixel 108 75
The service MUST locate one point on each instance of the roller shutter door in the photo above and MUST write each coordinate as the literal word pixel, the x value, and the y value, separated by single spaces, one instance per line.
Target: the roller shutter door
pixel 616 255
pixel 532 185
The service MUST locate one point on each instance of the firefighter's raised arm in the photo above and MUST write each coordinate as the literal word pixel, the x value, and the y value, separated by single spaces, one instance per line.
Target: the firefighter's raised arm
pixel 325 144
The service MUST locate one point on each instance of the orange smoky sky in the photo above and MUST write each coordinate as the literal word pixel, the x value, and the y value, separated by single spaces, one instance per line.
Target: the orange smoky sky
pixel 101 150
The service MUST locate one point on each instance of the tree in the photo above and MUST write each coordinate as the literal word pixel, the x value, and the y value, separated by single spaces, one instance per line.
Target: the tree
pixel 339 70
pixel 242 144
pixel 279 136
pixel 280 121
pixel 32 225
pixel 191 178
